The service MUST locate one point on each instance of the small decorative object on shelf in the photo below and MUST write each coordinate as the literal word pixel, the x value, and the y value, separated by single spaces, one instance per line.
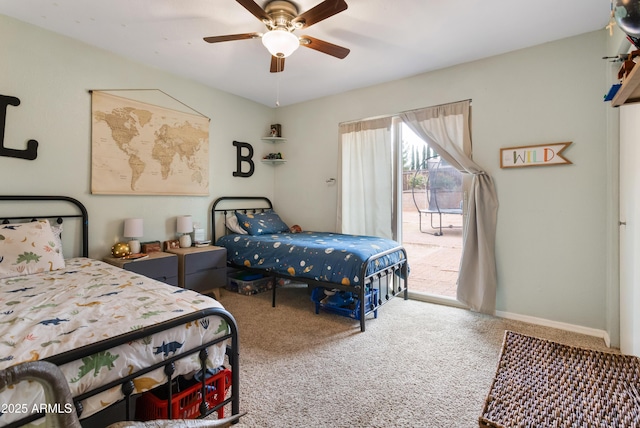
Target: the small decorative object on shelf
pixel 120 249
pixel 273 158
pixel 276 130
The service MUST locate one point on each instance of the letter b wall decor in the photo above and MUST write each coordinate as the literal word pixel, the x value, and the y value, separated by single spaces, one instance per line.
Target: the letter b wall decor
pixel 240 158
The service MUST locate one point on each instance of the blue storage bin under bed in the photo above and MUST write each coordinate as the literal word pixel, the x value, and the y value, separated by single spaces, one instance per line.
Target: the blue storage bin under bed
pixel 352 311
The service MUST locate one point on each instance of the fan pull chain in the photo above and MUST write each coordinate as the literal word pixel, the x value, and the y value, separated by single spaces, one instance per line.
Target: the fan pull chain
pixel 278 86
pixel 612 20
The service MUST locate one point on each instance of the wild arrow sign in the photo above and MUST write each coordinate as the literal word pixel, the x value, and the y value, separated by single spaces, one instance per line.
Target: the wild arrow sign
pixel 538 155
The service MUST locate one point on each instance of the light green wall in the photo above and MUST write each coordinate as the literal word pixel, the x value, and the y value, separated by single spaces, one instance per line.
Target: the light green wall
pixel 52 76
pixel 551 240
pixel 553 244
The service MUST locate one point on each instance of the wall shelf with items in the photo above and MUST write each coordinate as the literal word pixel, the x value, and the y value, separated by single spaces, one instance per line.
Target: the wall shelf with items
pixel 274 161
pixel 629 74
pixel 629 92
pixel 273 158
pixel 274 140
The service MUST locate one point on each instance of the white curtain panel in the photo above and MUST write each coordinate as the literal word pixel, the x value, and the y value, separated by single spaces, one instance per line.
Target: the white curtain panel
pixel 366 178
pixel 446 129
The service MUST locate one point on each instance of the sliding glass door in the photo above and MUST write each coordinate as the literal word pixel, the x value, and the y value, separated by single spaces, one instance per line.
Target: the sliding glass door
pixel 395 186
pixel 431 216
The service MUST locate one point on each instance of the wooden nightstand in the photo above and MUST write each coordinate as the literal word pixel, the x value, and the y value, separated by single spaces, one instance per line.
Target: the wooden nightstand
pixel 202 268
pixel 159 266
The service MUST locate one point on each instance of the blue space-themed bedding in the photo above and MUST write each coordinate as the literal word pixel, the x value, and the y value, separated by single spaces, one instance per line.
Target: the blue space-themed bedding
pixel 47 313
pixel 321 256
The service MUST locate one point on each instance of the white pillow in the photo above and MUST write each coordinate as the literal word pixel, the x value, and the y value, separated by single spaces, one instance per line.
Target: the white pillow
pixel 57 233
pixel 234 226
pixel 27 248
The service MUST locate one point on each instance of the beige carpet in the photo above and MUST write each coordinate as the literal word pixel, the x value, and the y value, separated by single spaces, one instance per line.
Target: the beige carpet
pixel 417 364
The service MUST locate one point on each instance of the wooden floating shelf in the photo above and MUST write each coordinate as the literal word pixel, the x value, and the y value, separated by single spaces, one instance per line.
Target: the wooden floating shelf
pixel 629 92
pixel 274 161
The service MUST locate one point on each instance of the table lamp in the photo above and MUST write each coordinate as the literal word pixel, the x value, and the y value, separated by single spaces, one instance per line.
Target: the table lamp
pixel 133 229
pixel 185 226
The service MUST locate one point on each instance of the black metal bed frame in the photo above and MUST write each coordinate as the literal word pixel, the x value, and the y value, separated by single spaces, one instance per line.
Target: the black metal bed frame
pixel 391 276
pixel 126 383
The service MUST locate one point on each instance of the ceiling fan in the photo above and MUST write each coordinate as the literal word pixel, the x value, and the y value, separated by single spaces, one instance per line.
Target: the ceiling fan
pixel 282 19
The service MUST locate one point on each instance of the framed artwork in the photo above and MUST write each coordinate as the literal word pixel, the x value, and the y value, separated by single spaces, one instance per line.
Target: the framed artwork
pixel 151 247
pixel 171 244
pixel 276 130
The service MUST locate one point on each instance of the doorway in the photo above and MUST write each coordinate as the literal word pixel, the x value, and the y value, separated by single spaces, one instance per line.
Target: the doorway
pixel 432 218
pixel 629 233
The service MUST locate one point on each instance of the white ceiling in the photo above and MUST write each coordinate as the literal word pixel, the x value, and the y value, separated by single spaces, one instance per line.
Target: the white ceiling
pixel 389 39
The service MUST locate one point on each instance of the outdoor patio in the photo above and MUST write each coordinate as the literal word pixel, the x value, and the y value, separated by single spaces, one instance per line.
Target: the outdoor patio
pixel 434 260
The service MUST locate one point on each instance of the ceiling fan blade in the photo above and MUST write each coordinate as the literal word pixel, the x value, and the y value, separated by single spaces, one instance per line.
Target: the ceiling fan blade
pixel 230 37
pixel 324 47
pixel 277 64
pixel 255 10
pixel 322 11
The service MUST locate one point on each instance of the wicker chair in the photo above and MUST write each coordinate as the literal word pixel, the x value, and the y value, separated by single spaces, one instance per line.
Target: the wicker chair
pixel 57 391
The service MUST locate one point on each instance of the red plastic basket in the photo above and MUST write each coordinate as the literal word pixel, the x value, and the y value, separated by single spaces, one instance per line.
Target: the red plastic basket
pixel 185 404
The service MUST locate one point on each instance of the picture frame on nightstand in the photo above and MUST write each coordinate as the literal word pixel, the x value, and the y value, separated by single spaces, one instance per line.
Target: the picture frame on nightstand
pixel 171 244
pixel 151 247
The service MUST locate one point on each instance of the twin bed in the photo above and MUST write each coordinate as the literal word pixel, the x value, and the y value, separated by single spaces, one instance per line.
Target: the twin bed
pixel 336 262
pixel 114 334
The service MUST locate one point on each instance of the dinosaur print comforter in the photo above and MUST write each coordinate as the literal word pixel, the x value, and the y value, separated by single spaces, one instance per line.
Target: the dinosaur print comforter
pixel 48 313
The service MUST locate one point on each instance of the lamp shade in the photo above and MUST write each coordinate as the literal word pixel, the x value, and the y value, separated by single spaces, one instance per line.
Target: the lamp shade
pixel 185 224
pixel 133 228
pixel 280 43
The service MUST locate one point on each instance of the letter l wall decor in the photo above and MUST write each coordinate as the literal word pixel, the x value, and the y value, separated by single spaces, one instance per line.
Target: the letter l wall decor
pixel 31 152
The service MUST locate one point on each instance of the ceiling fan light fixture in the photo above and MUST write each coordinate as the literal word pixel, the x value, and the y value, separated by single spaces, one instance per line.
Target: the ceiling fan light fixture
pixel 280 42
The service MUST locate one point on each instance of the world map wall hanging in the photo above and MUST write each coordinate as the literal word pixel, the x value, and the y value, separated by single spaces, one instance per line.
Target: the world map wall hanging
pixel 145 149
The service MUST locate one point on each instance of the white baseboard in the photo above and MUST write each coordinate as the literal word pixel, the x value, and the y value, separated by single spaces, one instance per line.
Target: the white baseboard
pixel 440 300
pixel 602 334
pixel 559 325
